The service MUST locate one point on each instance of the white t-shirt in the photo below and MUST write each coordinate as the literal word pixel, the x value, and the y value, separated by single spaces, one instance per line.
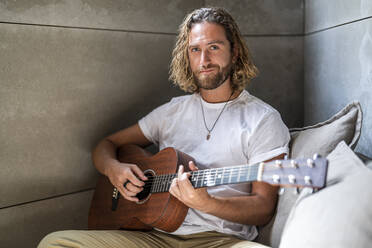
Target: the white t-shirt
pixel 248 131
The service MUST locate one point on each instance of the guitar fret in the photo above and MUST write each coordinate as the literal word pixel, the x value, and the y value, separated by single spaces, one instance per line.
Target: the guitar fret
pixel 201 178
pixel 169 181
pixel 151 187
pixel 155 184
pixel 162 183
pixel 215 176
pixel 230 174
pixel 234 177
pixel 165 183
pixel 218 179
pixel 208 177
pixel 195 178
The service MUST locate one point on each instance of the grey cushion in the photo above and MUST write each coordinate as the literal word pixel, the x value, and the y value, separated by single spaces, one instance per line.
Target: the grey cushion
pixel 364 158
pixel 321 138
pixel 369 165
pixel 339 215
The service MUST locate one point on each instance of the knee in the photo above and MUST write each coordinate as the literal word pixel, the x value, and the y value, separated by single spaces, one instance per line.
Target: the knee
pixel 53 239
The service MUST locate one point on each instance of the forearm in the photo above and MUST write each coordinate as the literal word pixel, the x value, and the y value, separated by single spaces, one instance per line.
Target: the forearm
pixel 255 209
pixel 250 210
pixel 104 156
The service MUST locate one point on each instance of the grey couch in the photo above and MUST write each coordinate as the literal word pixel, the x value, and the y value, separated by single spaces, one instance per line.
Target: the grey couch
pixel 338 215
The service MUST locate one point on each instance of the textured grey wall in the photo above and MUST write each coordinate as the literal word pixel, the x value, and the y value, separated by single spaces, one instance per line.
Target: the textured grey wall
pixel 274 33
pixel 73 72
pixel 338 61
pixel 80 71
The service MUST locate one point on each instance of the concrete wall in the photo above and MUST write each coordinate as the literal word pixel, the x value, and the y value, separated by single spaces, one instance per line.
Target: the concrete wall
pixel 338 61
pixel 73 72
pixel 274 33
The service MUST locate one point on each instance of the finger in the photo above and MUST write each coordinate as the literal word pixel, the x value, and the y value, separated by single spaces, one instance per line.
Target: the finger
pixel 192 166
pixel 126 194
pixel 131 187
pixel 174 190
pixel 133 179
pixel 139 172
pixel 180 171
pixel 184 185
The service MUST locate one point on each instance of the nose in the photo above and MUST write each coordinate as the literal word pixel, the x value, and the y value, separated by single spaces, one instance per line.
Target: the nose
pixel 204 59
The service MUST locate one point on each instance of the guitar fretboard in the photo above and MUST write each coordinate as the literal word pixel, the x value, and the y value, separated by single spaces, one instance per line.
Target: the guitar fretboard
pixel 208 177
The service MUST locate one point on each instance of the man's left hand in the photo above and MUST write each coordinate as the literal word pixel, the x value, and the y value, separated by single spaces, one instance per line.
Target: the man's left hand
pixel 182 189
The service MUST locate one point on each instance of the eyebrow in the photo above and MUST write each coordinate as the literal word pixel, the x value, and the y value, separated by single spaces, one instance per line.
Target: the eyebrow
pixel 216 41
pixel 209 43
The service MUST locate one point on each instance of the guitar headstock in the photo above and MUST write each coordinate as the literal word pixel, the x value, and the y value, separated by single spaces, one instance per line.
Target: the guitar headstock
pixel 303 172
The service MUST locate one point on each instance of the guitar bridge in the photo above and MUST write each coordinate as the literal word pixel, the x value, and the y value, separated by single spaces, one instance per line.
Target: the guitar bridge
pixel 115 199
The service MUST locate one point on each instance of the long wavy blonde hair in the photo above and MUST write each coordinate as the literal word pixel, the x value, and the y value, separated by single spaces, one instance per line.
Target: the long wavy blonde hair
pixel 243 70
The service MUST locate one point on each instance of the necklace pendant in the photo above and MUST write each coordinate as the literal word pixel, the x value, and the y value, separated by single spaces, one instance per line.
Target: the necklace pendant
pixel 208 136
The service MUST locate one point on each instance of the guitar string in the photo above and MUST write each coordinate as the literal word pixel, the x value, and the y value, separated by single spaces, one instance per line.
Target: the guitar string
pixel 209 175
pixel 229 170
pixel 214 171
pixel 161 186
pixel 207 172
pixel 234 169
pixel 172 176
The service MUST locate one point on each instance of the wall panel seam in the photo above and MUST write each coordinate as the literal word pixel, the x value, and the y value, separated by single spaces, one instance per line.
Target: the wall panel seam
pixel 134 31
pixel 88 28
pixel 303 16
pixel 336 26
pixel 48 198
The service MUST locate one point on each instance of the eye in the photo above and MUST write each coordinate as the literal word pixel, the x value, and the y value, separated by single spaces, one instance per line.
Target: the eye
pixel 214 47
pixel 194 49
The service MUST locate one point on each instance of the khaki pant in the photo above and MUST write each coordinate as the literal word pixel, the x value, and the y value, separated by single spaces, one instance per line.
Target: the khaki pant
pixel 134 239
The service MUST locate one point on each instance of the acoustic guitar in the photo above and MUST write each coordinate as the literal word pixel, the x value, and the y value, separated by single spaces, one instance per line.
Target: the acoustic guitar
pixel 157 208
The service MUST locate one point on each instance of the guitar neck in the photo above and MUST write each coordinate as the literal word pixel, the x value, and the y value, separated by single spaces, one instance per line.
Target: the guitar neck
pixel 209 177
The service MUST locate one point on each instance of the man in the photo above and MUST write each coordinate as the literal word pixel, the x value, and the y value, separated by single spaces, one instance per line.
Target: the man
pixel 219 125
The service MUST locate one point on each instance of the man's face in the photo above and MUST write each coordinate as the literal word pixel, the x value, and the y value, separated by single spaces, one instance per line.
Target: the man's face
pixel 209 54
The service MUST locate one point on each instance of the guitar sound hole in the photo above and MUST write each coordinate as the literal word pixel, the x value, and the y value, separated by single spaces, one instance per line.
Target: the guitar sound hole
pixel 145 193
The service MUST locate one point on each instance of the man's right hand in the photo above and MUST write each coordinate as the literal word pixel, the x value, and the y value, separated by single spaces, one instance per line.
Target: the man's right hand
pixel 130 175
pixel 105 160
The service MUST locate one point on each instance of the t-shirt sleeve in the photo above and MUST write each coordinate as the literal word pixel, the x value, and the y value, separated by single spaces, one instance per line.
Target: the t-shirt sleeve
pixel 151 123
pixel 269 139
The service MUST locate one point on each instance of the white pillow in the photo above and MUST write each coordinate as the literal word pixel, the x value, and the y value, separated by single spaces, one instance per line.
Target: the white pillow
pixel 320 138
pixel 339 215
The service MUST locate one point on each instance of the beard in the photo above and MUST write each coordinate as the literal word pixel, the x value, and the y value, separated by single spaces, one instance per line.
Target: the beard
pixel 212 81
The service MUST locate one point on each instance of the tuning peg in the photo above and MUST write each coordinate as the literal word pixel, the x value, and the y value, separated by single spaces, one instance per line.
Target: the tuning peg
pixel 276 178
pixel 316 156
pixel 296 191
pixel 307 180
pixel 310 162
pixel 294 164
pixel 292 179
pixel 281 191
pixel 279 163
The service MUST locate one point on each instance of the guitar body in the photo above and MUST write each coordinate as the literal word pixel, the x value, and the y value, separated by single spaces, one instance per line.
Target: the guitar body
pixel 160 210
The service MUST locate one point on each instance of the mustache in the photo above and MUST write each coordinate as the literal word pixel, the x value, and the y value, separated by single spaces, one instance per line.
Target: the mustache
pixel 210 66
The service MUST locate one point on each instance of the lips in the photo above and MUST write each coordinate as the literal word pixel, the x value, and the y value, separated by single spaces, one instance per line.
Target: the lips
pixel 207 70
